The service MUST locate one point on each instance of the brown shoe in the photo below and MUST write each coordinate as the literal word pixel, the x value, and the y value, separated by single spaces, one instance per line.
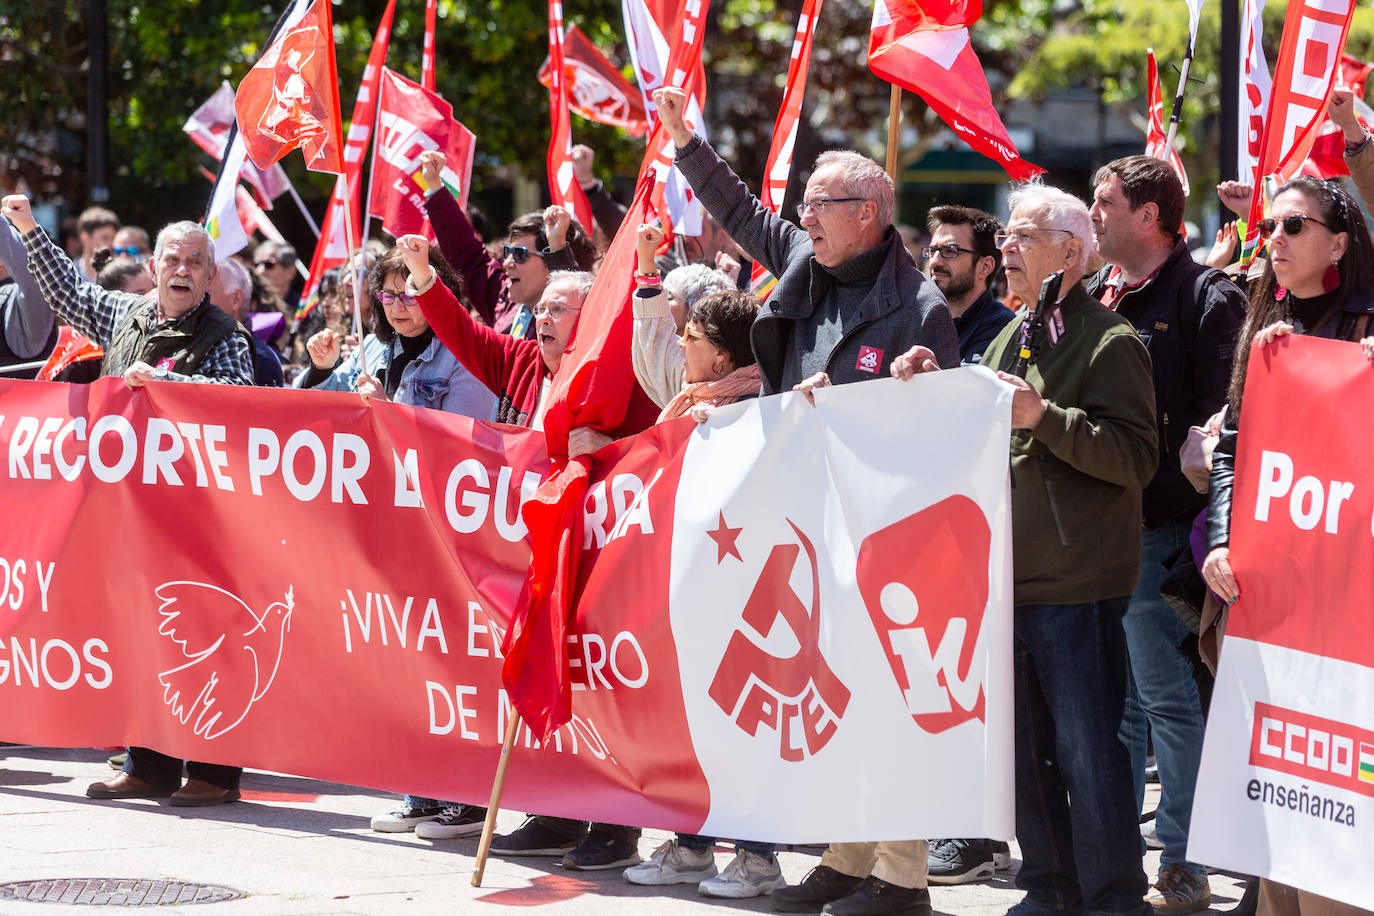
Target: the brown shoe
pixel 125 786
pixel 197 793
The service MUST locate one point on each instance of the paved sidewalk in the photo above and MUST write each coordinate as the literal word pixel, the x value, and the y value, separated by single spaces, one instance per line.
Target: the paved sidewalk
pixel 300 846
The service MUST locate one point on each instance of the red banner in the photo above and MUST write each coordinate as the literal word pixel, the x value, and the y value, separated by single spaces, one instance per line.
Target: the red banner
pixel 276 578
pixel 1303 486
pixel 412 120
pixel 1288 759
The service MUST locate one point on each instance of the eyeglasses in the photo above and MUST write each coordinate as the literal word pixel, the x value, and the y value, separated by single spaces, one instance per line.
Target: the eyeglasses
pixel 1024 237
pixel 949 251
pixel 818 205
pixel 132 251
pixel 387 297
pixel 518 253
pixel 554 312
pixel 1292 225
pixel 268 263
pixel 689 335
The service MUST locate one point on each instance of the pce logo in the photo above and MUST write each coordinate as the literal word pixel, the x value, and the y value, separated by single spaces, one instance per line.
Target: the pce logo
pixel 797 696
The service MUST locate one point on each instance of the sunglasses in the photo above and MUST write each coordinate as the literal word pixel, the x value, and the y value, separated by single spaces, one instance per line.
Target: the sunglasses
pixel 132 251
pixel 1292 225
pixel 518 253
pixel 387 297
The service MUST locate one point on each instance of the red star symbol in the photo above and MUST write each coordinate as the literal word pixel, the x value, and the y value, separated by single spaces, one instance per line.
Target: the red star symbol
pixel 724 536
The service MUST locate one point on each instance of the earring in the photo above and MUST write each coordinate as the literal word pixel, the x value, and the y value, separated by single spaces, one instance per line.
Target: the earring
pixel 1331 279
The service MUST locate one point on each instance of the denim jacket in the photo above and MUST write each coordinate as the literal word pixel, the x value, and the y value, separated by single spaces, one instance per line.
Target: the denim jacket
pixel 434 379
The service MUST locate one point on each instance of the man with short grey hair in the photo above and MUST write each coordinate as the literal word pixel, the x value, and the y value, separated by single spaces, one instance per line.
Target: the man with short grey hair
pixel 1083 447
pixel 849 297
pixel 172 334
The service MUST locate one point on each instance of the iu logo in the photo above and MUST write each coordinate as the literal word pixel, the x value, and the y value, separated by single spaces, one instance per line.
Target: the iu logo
pixel 924 581
pixel 230 651
pixel 797 696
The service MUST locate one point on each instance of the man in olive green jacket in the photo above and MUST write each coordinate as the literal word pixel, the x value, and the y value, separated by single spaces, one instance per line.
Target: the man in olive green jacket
pixel 1083 447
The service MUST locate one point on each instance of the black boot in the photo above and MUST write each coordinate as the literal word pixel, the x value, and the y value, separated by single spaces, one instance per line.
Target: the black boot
pixel 876 897
pixel 821 885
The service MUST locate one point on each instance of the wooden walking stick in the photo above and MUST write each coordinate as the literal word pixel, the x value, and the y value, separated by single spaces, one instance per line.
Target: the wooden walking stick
pixel 493 806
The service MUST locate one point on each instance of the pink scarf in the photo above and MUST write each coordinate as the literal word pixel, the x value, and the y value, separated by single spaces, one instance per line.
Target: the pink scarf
pixel 742 383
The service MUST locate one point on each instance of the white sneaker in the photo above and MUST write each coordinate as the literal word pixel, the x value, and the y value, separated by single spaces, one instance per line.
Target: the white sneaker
pixel 747 875
pixel 404 819
pixel 1150 836
pixel 673 863
pixel 456 821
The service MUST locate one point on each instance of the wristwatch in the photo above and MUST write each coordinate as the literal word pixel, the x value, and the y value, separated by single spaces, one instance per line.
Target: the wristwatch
pixel 161 373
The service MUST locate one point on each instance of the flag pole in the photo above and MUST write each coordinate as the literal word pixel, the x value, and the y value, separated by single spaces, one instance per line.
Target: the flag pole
pixel 359 272
pixel 310 221
pixel 894 123
pixel 1177 114
pixel 494 805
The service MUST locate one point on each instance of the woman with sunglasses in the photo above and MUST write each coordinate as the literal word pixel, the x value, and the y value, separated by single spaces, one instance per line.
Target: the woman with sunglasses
pixel 405 362
pixel 1319 280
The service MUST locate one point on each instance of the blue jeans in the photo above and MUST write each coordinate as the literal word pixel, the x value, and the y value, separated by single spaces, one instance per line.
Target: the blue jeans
pixel 698 843
pixel 1164 692
pixel 1071 678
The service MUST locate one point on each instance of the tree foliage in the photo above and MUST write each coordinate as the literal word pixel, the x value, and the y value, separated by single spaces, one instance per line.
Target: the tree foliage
pixel 167 56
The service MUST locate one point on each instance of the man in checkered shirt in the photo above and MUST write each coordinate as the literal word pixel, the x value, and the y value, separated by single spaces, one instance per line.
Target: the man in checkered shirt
pixel 173 334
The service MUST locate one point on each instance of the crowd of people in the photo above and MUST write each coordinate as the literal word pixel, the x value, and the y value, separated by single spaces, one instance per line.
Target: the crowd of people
pixel 1138 344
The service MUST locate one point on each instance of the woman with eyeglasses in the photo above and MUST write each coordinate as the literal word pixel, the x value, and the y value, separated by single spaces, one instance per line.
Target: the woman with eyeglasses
pixel 1319 280
pixel 405 362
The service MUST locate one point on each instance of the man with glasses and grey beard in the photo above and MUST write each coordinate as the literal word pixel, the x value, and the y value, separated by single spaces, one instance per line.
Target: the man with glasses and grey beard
pixel 964 262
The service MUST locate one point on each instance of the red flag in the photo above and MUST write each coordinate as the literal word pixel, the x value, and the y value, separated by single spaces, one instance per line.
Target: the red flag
pixel 1327 159
pixel 924 46
pixel 1314 33
pixel 595 387
pixel 290 98
pixel 1156 139
pixel 598 92
pixel 411 120
pixel 779 165
pixel 209 127
pixel 563 186
pixel 333 247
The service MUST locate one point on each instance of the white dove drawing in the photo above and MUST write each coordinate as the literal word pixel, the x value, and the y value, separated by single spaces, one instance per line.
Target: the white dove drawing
pixel 232 653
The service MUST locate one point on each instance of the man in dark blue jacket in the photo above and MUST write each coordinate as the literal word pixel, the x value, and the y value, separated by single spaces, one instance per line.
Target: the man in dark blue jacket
pixel 964 261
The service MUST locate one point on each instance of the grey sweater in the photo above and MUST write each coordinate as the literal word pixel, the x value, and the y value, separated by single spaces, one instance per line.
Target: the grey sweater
pixel 817 317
